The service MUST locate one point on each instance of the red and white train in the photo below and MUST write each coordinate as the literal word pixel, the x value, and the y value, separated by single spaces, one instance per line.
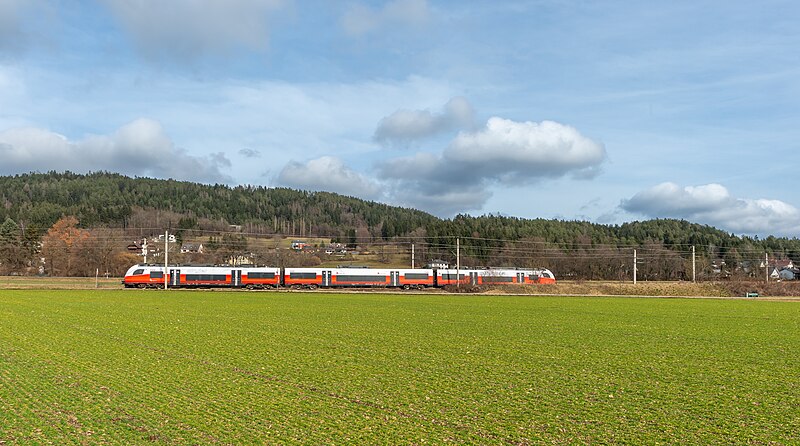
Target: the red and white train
pixel 263 277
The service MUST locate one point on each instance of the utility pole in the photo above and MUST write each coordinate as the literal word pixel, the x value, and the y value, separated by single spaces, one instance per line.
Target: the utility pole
pixel 766 267
pixel 458 253
pixel 634 267
pixel 458 263
pixel 144 249
pixel 694 270
pixel 412 256
pixel 166 257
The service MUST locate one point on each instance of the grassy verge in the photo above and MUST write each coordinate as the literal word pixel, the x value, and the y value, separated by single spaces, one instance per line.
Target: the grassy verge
pixel 59 283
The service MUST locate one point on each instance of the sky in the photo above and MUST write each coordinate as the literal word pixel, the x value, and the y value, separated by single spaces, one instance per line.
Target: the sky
pixel 605 111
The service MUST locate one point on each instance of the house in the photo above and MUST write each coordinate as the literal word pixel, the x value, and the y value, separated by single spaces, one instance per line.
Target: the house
pixel 191 248
pixel 241 259
pixel 335 248
pixel 160 238
pixel 437 264
pixel 299 245
pixel 779 264
pixel 789 273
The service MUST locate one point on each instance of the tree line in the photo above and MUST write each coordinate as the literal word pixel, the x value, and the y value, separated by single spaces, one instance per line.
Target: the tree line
pixel 81 223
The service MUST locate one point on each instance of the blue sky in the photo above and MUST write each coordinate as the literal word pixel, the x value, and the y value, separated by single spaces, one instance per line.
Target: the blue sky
pixel 602 111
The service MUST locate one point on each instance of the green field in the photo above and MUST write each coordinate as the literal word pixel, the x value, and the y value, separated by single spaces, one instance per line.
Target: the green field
pixel 189 367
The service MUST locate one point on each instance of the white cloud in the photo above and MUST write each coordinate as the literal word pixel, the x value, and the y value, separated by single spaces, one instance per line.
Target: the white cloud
pixel 138 148
pixel 361 19
pixel 404 126
pixel 505 153
pixel 671 199
pixel 712 204
pixel 328 174
pixel 188 29
pixel 521 151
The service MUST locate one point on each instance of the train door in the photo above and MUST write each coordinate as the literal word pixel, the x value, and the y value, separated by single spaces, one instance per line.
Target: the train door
pixel 473 277
pixel 174 277
pixel 236 277
pixel 395 277
pixel 326 278
pixel 520 277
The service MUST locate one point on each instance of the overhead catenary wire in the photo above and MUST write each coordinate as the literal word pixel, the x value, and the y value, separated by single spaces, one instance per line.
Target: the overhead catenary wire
pixel 510 246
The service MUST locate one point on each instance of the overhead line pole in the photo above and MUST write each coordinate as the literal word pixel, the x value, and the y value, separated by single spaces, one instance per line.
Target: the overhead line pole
pixel 634 267
pixel 166 257
pixel 458 262
pixel 766 267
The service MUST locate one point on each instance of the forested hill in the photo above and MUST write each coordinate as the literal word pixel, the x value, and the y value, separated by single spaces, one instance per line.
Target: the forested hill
pixel 112 200
pixel 108 199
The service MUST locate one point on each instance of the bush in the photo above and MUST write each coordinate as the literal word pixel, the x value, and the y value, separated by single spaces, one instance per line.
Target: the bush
pixel 465 288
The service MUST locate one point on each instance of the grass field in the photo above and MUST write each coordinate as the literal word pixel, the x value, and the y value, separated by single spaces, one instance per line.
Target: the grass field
pixel 193 367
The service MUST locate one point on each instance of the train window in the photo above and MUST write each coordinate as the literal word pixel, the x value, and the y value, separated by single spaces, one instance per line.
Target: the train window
pixel 497 279
pixel 206 277
pixel 156 274
pixel 137 272
pixel 258 275
pixel 547 274
pixel 446 276
pixel 302 275
pixel 360 278
pixel 417 276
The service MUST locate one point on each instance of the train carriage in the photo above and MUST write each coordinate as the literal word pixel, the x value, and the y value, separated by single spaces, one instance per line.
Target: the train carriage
pixel 493 276
pixel 144 276
pixel 446 277
pixel 152 276
pixel 357 277
pixel 261 277
pixel 302 278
